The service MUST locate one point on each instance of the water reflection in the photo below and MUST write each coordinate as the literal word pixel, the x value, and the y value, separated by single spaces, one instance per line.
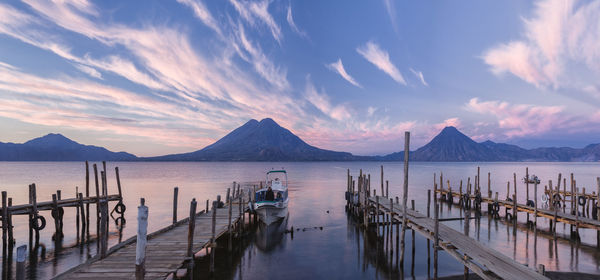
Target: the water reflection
pixel 340 249
pixel 268 237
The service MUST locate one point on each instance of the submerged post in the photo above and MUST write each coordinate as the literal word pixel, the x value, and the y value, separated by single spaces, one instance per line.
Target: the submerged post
pixel 140 249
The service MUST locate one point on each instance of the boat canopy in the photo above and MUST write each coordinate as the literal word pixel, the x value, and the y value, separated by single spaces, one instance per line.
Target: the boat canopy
pixel 276 171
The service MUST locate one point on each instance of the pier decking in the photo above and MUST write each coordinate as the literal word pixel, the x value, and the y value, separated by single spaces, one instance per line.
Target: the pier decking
pixel 166 249
pixel 459 245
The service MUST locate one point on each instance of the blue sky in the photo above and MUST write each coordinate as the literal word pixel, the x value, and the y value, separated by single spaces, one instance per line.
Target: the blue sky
pixel 158 77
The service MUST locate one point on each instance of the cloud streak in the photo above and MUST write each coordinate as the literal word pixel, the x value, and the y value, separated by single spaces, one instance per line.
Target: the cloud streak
pixel 381 59
pixel 338 67
pixel 559 48
pixel 292 23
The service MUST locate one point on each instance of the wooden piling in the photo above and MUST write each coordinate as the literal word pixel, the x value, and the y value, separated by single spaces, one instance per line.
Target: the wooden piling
pixel 436 242
pixel 212 239
pixel 4 226
pixel 55 218
pixel 382 180
pixel 404 195
pixel 175 194
pixel 412 264
pixel 84 218
pixel 190 246
pixel 140 249
pixel 229 227
pixel 11 240
pixel 387 188
pixel 103 236
pixel 97 205
pixel 87 194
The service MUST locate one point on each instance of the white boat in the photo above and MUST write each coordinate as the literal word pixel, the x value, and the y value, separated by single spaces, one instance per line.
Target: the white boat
pixel 271 202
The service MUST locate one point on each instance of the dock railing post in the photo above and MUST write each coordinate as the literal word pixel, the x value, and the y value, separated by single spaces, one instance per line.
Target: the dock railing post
pixel 229 231
pixel 140 249
pixel 191 229
pixel 175 194
pixel 212 239
pixel 535 197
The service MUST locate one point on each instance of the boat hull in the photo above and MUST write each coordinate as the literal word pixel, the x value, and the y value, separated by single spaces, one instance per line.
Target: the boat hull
pixel 271 214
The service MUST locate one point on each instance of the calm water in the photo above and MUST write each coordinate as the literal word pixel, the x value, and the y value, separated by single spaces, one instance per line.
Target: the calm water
pixel 328 244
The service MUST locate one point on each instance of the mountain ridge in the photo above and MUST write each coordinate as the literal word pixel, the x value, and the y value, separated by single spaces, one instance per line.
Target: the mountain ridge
pixel 56 147
pixel 266 140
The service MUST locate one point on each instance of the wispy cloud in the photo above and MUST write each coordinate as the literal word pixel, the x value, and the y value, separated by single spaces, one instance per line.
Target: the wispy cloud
pixel 202 13
pixel 338 67
pixel 419 76
pixel 391 11
pixel 321 101
pixel 89 70
pixel 258 11
pixel 292 23
pixel 380 58
pixel 559 46
pixel 516 120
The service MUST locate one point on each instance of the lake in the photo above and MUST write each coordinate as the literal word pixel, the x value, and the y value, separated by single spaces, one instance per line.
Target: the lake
pixel 328 245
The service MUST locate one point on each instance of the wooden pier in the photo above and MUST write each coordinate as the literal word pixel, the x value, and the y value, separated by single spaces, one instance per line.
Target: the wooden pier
pixel 375 211
pixel 169 252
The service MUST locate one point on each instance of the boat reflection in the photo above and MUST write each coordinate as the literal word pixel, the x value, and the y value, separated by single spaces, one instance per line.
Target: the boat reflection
pixel 269 237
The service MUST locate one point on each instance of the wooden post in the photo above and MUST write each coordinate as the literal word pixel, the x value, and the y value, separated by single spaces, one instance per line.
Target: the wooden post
pixel 428 202
pixel 21 255
pixel 56 216
pixel 97 205
pixel 175 194
pixel 227 200
pixel 404 195
pixel 377 214
pixel 598 210
pixel 84 218
pixel 515 212
pixel 535 197
pixel 87 195
pixel 11 240
pixel 191 228
pixel 103 236
pixel 119 184
pixel 229 228
pixel 4 227
pixel 412 264
pixel 466 259
pixel 35 213
pixel 206 206
pixel 576 209
pixel 382 180
pixel 140 249
pixel 212 239
pixel 436 241
pixel 387 188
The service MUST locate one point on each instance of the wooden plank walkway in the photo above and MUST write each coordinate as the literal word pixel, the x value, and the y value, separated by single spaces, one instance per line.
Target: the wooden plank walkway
pixel 499 266
pixel 582 222
pixel 165 252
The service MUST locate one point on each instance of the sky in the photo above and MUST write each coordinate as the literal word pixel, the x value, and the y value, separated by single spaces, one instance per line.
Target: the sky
pixel 172 76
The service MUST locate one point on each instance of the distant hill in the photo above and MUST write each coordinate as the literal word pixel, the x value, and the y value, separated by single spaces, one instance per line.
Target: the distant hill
pixel 452 145
pixel 268 141
pixel 56 147
pixel 259 141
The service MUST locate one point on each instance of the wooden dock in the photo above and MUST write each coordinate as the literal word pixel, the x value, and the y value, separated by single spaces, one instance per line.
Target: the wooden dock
pixel 374 211
pixel 464 249
pixel 168 251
